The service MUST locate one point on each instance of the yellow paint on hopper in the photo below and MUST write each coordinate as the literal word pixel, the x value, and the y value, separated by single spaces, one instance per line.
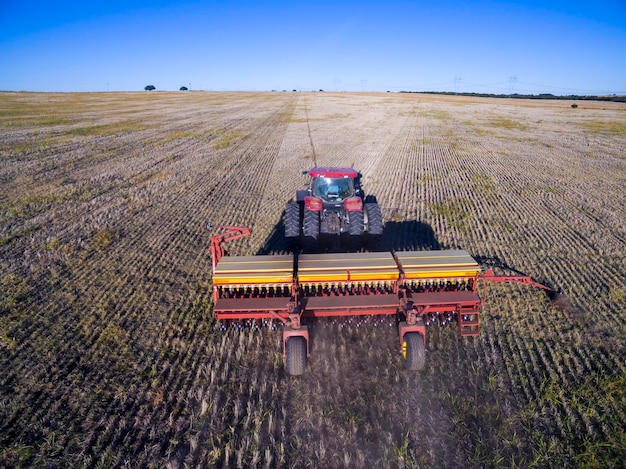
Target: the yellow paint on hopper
pixel 253 279
pixel 437 264
pixel 253 270
pixel 346 267
pixel 276 263
pixel 362 267
pixel 357 275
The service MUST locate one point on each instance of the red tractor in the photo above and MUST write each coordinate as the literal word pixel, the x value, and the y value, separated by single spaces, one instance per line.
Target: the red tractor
pixel 333 204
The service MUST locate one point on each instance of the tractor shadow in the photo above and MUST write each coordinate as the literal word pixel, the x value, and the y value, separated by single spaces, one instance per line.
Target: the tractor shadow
pixel 411 235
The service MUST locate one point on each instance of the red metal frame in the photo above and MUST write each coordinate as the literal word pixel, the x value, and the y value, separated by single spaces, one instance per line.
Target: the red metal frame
pixel 466 304
pixel 489 276
pixel 232 233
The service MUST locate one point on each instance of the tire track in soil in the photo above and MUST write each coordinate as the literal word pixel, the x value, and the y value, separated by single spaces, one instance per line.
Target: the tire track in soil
pixel 398 160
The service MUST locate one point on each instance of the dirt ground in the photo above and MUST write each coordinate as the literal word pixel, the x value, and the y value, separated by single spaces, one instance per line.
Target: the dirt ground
pixel 110 355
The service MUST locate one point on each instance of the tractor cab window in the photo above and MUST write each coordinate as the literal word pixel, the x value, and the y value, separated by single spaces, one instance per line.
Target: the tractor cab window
pixel 333 189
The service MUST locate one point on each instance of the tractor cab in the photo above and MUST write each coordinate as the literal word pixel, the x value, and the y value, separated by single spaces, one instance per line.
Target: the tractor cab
pixel 333 190
pixel 334 185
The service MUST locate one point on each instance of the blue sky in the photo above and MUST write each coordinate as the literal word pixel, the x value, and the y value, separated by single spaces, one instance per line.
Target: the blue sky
pixel 559 47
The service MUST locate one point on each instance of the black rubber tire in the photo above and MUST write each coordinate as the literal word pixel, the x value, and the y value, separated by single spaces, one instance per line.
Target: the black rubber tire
pixel 311 224
pixel 295 356
pixel 292 220
pixel 414 351
pixel 357 225
pixel 374 219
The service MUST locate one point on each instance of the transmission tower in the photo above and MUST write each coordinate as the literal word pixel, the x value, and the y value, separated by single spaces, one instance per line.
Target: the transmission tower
pixel 457 83
pixel 512 81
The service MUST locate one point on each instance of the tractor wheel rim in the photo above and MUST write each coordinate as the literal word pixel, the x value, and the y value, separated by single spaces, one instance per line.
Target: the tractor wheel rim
pixel 404 349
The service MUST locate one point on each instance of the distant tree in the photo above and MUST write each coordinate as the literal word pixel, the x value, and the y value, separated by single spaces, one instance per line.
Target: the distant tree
pixel 184 88
pixel 149 88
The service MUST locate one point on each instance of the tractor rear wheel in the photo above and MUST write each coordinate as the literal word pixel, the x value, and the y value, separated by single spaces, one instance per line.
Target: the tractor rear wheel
pixel 374 219
pixel 295 355
pixel 357 225
pixel 414 351
pixel 374 225
pixel 311 224
pixel 292 220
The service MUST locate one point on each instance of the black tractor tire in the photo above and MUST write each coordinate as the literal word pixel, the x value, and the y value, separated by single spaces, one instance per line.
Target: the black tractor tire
pixel 295 356
pixel 292 220
pixel 374 219
pixel 414 351
pixel 311 224
pixel 357 225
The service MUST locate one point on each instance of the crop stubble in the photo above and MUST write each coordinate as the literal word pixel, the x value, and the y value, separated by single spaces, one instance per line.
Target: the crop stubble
pixel 108 347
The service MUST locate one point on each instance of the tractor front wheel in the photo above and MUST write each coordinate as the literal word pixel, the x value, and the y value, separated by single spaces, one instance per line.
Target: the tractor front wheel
pixel 295 355
pixel 414 351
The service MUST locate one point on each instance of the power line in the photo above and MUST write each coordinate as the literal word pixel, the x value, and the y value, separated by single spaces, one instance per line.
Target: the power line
pixel 512 81
pixel 457 82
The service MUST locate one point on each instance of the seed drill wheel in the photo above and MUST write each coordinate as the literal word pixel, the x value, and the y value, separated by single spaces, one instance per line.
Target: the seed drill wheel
pixel 414 351
pixel 295 355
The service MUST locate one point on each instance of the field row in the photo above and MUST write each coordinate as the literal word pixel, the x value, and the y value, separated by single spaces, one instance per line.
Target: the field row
pixel 112 355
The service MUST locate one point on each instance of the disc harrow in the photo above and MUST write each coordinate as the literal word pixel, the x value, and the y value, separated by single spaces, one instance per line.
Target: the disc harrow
pixel 406 289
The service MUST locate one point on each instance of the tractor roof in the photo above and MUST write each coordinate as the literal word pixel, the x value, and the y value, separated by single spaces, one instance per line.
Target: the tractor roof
pixel 333 172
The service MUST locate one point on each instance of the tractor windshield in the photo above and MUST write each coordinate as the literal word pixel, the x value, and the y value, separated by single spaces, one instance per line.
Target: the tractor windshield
pixel 333 189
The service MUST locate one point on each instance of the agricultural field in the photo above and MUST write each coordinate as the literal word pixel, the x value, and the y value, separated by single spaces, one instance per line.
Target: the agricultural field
pixel 109 352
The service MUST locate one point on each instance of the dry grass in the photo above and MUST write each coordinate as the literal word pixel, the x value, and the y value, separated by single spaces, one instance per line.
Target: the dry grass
pixel 109 351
